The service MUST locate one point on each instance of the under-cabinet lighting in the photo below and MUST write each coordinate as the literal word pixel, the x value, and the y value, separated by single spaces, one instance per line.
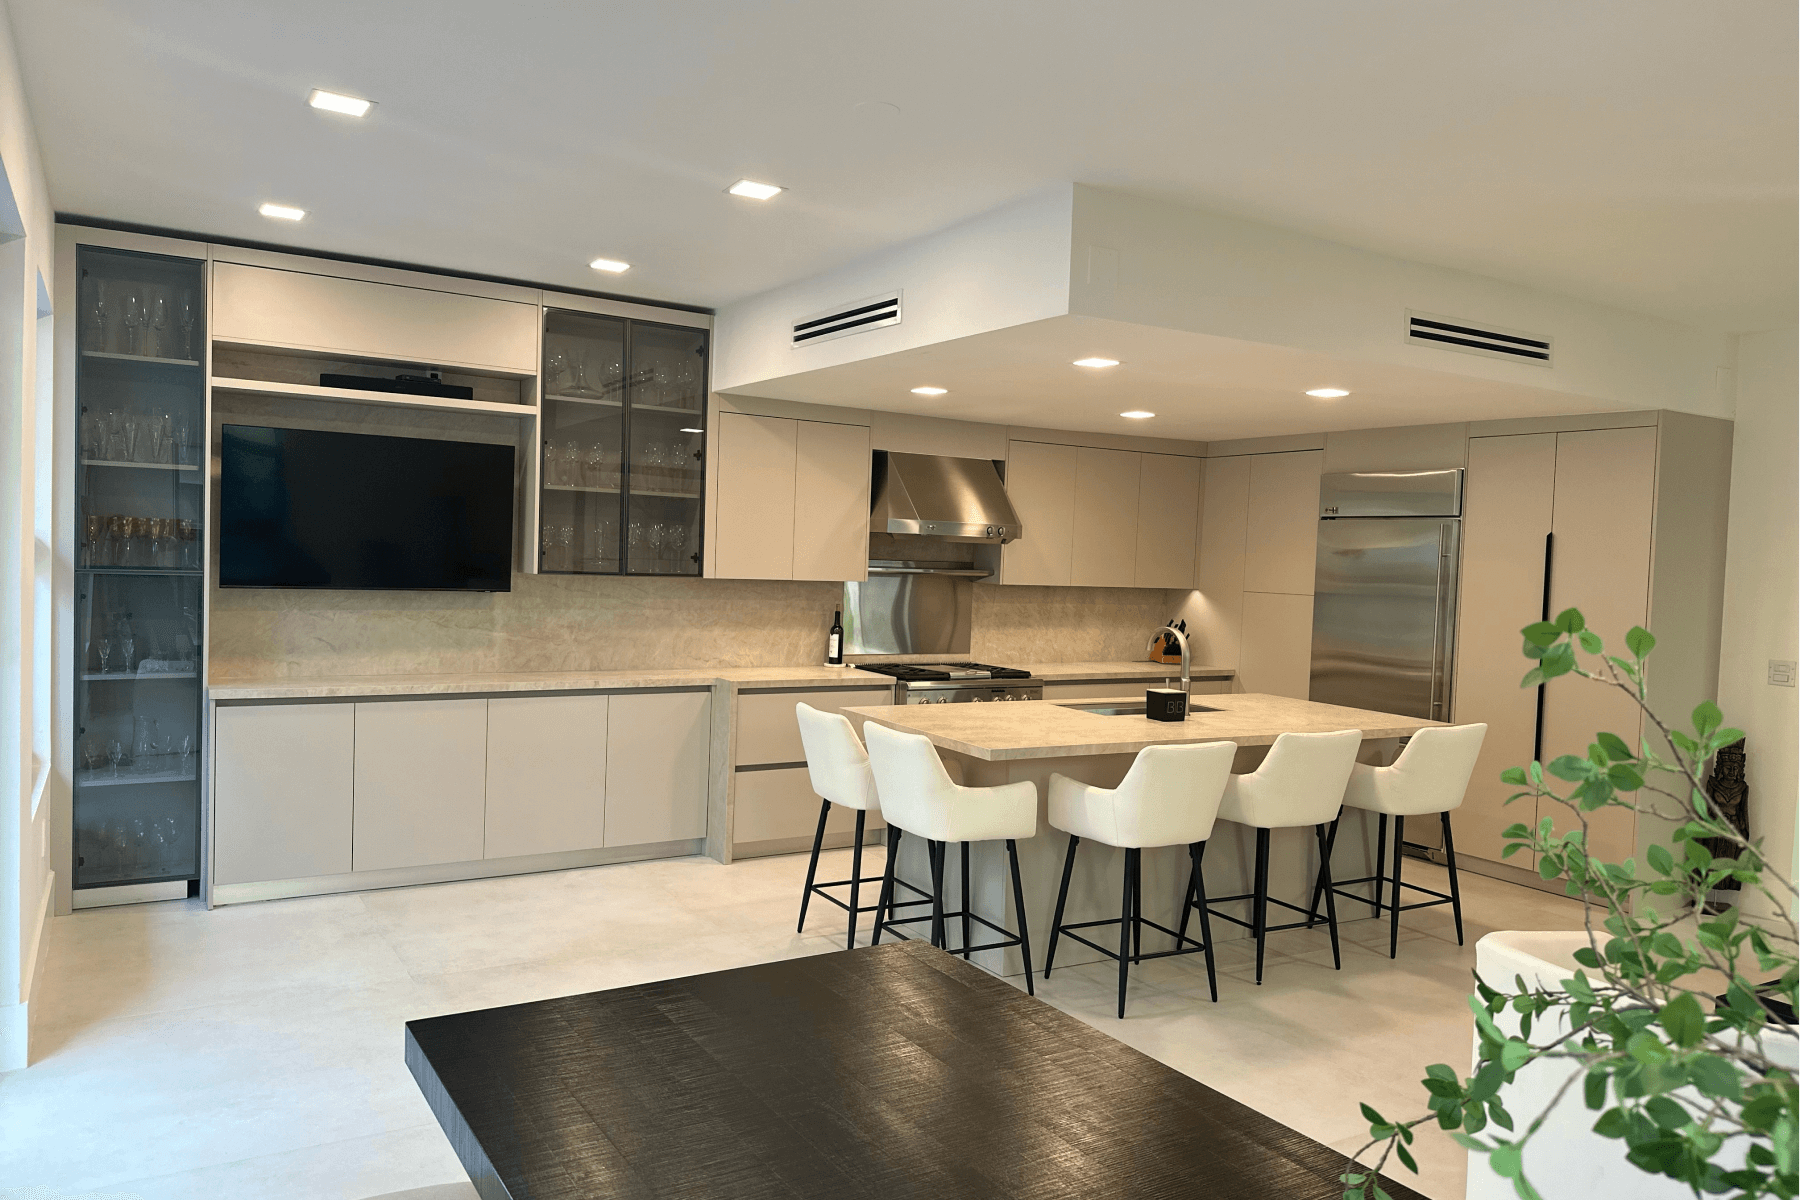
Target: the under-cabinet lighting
pixel 691 431
pixel 1096 362
pixel 752 190
pixel 282 212
pixel 350 106
pixel 930 391
pixel 1138 414
pixel 1327 393
pixel 612 265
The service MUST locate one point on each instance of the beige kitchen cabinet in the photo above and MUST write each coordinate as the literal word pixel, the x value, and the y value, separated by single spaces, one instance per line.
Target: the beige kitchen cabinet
pixel 1282 533
pixel 1168 520
pixel 546 774
pixel 282 791
pixel 657 756
pixel 1507 512
pixel 779 806
pixel 421 779
pixel 1107 485
pixel 1040 482
pixel 1277 652
pixel 768 731
pixel 267 306
pixel 831 501
pixel 1216 622
pixel 793 499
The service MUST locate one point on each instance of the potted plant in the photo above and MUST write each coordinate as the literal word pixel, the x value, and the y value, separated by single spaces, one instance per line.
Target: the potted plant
pixel 1667 1026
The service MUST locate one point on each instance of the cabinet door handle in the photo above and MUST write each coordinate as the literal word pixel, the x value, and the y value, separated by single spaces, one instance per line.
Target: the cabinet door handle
pixel 1537 737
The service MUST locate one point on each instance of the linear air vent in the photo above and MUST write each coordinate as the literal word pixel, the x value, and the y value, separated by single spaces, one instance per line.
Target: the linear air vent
pixel 1448 333
pixel 857 317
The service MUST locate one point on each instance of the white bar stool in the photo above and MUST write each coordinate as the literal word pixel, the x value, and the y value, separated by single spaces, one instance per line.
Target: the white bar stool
pixel 1301 782
pixel 918 796
pixel 1430 776
pixel 838 766
pixel 1169 797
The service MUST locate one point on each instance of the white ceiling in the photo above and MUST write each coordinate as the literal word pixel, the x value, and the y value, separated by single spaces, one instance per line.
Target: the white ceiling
pixel 1199 386
pixel 1634 152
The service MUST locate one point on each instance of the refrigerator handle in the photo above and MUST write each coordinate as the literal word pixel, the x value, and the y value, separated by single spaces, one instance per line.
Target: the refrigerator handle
pixel 1537 736
pixel 1437 625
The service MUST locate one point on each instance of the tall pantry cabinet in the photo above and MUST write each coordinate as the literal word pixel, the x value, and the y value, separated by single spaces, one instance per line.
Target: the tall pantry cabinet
pixel 1626 524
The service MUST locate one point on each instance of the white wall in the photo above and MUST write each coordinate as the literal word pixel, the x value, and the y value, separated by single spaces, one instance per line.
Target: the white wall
pixel 1003 268
pixel 25 557
pixel 1762 574
pixel 1167 265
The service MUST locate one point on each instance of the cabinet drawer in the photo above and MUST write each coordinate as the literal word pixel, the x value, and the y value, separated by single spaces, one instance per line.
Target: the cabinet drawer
pixel 282 791
pixel 767 731
pixel 781 805
pixel 270 307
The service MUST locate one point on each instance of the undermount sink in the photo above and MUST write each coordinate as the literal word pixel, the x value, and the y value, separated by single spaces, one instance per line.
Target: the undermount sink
pixel 1114 708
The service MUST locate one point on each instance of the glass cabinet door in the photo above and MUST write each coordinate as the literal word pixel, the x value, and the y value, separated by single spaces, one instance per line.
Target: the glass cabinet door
pixel 140 545
pixel 623 443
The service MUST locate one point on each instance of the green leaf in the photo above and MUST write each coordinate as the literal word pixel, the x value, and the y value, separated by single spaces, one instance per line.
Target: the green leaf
pixel 1541 633
pixel 1707 718
pixel 1590 641
pixel 1715 1077
pixel 1504 1158
pixel 1665 1112
pixel 1572 768
pixel 1406 1158
pixel 1646 1048
pixel 1624 777
pixel 1612 1123
pixel 1559 660
pixel 1570 620
pixel 1615 747
pixel 1514 1054
pixel 1549 867
pixel 1660 858
pixel 1594 1090
pixel 1514 776
pixel 1371 1116
pixel 1639 641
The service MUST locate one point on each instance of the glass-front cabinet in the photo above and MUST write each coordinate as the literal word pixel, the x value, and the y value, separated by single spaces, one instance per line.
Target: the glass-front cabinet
pixel 623 445
pixel 140 546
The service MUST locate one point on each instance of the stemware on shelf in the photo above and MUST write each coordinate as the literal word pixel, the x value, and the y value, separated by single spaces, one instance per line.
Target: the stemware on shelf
pixel 97 312
pixel 157 320
pixel 133 319
pixel 186 319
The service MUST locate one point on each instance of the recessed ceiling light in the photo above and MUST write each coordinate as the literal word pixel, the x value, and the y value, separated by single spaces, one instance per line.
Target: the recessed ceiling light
pixel 1137 414
pixel 930 391
pixel 753 190
pixel 1096 362
pixel 350 106
pixel 1327 393
pixel 610 264
pixel 282 212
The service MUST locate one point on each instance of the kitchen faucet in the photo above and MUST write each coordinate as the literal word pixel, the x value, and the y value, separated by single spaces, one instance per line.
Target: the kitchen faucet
pixel 1187 685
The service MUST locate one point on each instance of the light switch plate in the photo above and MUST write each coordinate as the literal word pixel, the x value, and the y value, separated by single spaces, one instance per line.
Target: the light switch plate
pixel 1781 672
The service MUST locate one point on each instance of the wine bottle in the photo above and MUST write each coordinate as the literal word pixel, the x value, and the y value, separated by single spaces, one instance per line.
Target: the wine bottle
pixel 834 653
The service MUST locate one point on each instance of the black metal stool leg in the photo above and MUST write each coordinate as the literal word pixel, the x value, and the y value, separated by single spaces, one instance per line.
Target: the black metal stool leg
pixel 1062 898
pixel 884 907
pixel 1337 959
pixel 1212 978
pixel 1380 866
pixel 856 875
pixel 812 868
pixel 967 928
pixel 1137 908
pixel 1187 896
pixel 1455 892
pixel 1312 910
pixel 1012 856
pixel 1394 928
pixel 1125 930
pixel 1260 904
pixel 936 851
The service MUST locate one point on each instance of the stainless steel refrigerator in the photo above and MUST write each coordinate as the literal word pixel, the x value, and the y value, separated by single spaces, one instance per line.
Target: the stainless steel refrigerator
pixel 1384 600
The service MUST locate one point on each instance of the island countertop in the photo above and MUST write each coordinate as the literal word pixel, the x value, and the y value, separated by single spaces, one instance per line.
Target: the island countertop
pixel 1049 729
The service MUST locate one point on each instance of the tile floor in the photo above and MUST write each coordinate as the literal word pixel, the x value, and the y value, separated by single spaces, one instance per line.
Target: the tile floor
pixel 255 1051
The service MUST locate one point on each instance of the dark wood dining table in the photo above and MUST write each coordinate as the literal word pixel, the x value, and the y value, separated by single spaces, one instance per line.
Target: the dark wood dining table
pixel 889 1071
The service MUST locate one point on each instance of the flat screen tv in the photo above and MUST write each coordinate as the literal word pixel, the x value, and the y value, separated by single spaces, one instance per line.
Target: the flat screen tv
pixel 299 508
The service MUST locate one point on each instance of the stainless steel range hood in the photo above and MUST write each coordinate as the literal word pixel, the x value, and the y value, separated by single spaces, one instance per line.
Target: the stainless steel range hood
pixel 958 499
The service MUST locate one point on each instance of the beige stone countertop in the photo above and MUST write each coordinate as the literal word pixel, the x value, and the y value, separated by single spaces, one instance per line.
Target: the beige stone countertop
pixel 1049 729
pixel 347 686
pixel 1076 672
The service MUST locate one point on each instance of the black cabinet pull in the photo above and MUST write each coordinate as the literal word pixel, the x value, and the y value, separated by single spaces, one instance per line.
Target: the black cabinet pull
pixel 1537 737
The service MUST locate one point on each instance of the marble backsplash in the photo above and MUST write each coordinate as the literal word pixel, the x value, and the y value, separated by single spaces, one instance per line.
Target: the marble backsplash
pixel 566 623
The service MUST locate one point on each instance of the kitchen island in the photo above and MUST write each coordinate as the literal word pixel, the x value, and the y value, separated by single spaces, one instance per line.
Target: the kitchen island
pixel 991 744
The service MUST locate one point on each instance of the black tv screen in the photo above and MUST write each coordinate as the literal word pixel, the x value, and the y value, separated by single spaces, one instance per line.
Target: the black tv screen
pixel 299 508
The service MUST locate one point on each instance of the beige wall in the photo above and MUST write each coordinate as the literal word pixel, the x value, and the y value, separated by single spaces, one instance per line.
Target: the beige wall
pixel 565 623
pixel 1761 578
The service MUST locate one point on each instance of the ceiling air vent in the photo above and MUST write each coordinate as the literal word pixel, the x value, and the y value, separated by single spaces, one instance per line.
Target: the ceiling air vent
pixel 845 319
pixel 1448 333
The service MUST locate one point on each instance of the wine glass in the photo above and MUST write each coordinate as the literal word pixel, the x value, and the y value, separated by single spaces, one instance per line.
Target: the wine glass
pixel 565 543
pixel 97 317
pixel 181 438
pixel 162 429
pixel 114 450
pixel 93 537
pixel 596 465
pixel 188 531
pixel 115 754
pixel 132 431
pixel 547 542
pixel 106 649
pixel 127 647
pixel 187 318
pixel 133 320
pixel 157 318
pixel 556 371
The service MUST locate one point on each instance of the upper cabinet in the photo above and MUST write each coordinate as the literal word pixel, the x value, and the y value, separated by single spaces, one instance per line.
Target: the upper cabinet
pixel 793 499
pixel 623 441
pixel 265 306
pixel 1101 518
pixel 1282 537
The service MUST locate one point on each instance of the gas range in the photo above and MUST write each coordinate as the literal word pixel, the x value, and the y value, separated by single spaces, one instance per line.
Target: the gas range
pixel 958 682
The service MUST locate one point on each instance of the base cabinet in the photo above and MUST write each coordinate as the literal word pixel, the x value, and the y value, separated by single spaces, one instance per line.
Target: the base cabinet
pixel 283 778
pixel 420 783
pixel 546 774
pixel 657 757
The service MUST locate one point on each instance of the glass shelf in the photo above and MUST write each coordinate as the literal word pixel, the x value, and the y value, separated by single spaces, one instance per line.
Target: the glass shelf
pixel 140 400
